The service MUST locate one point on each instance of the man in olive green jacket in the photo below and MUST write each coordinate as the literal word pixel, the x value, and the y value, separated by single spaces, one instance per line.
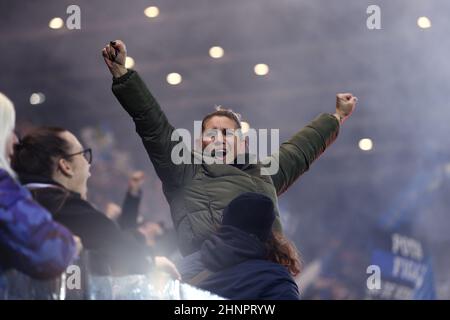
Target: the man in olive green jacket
pixel 197 193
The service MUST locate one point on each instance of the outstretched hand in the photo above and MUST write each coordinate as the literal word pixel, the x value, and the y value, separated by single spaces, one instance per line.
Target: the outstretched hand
pixel 345 104
pixel 115 54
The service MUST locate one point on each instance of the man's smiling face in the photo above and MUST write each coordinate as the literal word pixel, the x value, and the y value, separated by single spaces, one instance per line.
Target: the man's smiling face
pixel 220 138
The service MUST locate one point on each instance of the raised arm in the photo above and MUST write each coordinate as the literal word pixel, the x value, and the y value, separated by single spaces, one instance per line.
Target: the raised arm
pixel 151 122
pixel 130 207
pixel 298 153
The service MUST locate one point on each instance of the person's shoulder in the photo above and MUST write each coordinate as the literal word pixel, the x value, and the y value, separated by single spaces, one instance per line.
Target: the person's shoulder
pixel 3 174
pixel 276 281
pixel 7 182
pixel 65 202
pixel 75 201
pixel 190 265
pixel 10 189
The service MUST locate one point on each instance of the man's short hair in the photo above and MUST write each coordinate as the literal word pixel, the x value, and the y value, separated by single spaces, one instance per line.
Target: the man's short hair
pixel 223 112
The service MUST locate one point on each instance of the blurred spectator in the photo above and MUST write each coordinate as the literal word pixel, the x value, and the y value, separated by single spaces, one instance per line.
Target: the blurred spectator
pixel 342 273
pixel 166 243
pixel 150 231
pixel 55 166
pixel 128 217
pixel 29 240
pixel 156 236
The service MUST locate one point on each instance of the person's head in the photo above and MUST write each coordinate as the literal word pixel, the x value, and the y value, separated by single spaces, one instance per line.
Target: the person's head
pixel 254 213
pixel 220 136
pixel 151 231
pixel 7 136
pixel 251 212
pixel 55 154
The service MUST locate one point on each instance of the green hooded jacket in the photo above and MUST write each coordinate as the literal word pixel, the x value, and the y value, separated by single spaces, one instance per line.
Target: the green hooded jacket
pixel 197 193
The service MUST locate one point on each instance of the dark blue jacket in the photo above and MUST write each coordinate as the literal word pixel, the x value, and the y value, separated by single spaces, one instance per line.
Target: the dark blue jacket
pixel 238 268
pixel 30 241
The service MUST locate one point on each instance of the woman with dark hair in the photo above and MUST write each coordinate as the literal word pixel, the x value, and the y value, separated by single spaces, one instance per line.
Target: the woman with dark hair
pixel 245 259
pixel 53 164
pixel 30 241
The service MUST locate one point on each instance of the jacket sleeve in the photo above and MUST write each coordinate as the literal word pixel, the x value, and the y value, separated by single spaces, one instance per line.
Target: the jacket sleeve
pixel 281 286
pixel 281 289
pixel 101 235
pixel 151 125
pixel 31 241
pixel 299 152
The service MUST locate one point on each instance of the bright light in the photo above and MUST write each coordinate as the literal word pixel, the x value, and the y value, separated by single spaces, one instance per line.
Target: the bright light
pixel 424 22
pixel 56 23
pixel 37 98
pixel 365 144
pixel 244 127
pixel 151 12
pixel 174 78
pixel 261 69
pixel 129 62
pixel 216 52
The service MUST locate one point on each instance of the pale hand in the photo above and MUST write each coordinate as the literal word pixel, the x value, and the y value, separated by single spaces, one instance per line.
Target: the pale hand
pixel 115 54
pixel 164 264
pixel 345 104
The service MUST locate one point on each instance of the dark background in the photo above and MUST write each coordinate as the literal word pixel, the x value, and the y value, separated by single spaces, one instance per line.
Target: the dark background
pixel 314 49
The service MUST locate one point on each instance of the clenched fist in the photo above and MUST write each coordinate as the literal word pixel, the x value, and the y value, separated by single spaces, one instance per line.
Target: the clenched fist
pixel 345 104
pixel 115 54
pixel 135 182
